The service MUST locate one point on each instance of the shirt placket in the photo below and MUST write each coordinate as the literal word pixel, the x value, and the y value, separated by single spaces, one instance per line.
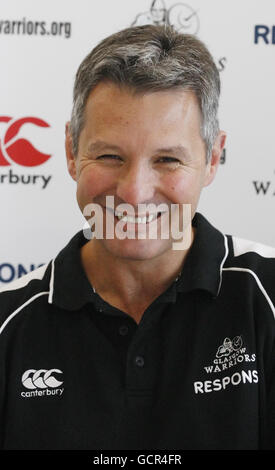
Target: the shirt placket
pixel 140 385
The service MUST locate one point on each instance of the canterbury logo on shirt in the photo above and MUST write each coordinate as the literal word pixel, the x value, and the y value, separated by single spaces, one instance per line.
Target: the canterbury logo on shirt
pixel 41 378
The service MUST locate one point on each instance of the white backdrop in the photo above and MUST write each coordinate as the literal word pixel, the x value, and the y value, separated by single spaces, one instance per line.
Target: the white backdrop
pixel 41 46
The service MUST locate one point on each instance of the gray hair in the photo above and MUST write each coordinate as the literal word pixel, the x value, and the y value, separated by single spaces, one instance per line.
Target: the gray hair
pixel 151 58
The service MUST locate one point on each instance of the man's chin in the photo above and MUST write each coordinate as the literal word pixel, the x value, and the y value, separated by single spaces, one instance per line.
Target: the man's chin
pixel 137 249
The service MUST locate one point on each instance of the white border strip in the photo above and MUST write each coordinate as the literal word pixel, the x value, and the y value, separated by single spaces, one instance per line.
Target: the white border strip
pixel 50 300
pixel 19 309
pixel 223 261
pixel 242 246
pixel 22 281
pixel 261 287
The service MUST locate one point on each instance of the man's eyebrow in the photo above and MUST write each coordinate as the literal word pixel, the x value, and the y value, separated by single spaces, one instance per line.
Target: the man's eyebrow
pixel 100 146
pixel 176 150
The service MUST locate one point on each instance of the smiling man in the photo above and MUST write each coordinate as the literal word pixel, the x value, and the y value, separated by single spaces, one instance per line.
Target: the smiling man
pixel 141 148
pixel 120 337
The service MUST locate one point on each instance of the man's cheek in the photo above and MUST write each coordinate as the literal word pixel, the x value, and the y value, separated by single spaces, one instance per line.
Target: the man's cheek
pixel 182 191
pixel 89 186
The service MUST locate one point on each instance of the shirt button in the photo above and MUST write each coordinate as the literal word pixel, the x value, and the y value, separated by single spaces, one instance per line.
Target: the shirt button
pixel 123 330
pixel 139 360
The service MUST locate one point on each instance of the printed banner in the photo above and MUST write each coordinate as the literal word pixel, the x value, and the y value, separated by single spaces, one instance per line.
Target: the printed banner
pixel 42 45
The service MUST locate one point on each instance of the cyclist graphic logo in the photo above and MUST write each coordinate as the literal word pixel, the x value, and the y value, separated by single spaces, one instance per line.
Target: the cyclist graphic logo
pixel 15 149
pixel 180 15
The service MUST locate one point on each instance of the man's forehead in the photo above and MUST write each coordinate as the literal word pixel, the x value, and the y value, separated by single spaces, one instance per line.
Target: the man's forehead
pixel 164 125
pixel 119 109
pixel 119 91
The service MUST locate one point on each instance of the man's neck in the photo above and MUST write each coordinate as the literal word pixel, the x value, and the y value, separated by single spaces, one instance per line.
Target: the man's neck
pixel 130 285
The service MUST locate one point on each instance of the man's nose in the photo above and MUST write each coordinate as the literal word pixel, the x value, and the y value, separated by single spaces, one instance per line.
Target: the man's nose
pixel 136 184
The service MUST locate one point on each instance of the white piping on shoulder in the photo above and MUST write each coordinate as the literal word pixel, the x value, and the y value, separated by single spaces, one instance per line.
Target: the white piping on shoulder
pixel 50 299
pixel 21 308
pixel 223 261
pixel 261 287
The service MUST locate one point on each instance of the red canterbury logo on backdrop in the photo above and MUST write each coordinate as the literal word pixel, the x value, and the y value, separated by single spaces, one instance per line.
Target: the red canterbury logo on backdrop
pixel 19 150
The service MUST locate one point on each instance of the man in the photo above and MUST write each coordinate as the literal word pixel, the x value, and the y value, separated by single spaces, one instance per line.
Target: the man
pixel 130 343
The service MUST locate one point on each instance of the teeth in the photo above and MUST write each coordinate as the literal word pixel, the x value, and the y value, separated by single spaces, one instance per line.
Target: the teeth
pixel 136 220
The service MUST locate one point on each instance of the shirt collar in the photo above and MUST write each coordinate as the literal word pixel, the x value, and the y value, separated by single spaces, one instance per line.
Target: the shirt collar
pixel 71 290
pixel 203 264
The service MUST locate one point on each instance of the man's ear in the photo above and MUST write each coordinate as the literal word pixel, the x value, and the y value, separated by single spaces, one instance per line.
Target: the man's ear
pixel 212 165
pixel 69 152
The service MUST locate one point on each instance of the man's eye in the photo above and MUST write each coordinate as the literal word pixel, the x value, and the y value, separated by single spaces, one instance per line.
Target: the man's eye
pixel 111 157
pixel 168 160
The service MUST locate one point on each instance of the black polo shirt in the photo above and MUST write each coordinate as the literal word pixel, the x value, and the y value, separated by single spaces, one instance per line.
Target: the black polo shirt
pixel 197 372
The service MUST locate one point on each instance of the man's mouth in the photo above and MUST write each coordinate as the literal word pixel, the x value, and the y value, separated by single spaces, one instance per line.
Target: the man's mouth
pixel 146 219
pixel 141 219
